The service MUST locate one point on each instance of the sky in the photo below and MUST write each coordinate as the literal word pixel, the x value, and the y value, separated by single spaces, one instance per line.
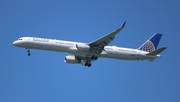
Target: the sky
pixel 45 77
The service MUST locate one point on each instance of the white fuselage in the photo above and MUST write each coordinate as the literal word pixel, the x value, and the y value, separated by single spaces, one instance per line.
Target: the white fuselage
pixel 70 47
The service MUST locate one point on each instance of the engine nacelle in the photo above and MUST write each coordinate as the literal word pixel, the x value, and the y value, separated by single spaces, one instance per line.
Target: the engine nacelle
pixel 82 47
pixel 72 60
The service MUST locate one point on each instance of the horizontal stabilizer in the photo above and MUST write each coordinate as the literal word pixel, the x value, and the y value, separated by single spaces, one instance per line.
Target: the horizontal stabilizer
pixel 157 51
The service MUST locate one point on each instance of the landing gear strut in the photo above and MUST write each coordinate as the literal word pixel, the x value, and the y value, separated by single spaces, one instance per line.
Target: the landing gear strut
pixel 28 50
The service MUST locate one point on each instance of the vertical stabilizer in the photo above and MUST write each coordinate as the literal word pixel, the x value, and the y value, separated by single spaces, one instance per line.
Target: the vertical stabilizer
pixel 151 44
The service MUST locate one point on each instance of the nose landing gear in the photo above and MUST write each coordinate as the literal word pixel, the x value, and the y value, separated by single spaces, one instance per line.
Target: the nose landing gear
pixel 28 50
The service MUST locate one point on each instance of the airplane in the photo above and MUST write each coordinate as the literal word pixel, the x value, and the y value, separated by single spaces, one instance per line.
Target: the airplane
pixel 86 53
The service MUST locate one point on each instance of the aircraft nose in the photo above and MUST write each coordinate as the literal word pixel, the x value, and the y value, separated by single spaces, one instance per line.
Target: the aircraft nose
pixel 15 43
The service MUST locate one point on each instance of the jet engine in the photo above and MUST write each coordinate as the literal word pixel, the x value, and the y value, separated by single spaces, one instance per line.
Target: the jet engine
pixel 82 47
pixel 72 60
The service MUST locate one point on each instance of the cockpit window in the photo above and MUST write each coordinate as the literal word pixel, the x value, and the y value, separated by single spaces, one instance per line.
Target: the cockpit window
pixel 19 39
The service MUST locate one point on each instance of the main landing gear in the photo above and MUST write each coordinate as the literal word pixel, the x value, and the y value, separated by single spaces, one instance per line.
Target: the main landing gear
pixel 88 64
pixel 94 58
pixel 28 50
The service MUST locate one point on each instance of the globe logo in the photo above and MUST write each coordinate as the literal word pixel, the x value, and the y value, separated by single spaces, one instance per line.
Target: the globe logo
pixel 148 46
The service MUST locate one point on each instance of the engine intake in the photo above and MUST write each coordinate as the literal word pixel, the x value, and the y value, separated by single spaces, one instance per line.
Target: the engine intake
pixel 72 60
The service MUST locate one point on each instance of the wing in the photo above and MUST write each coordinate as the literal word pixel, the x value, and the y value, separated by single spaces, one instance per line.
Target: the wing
pixel 98 45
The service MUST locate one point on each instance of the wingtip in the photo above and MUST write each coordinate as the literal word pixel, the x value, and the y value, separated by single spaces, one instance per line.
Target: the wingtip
pixel 124 24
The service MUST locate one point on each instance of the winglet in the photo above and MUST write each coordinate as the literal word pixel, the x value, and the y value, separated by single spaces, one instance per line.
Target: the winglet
pixel 123 24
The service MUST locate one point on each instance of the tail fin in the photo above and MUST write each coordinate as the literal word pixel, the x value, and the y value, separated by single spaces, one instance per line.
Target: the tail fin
pixel 151 44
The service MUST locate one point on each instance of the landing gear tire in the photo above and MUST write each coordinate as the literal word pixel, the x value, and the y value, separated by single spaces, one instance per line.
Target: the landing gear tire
pixel 89 65
pixel 86 64
pixel 29 54
pixel 94 57
pixel 28 50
